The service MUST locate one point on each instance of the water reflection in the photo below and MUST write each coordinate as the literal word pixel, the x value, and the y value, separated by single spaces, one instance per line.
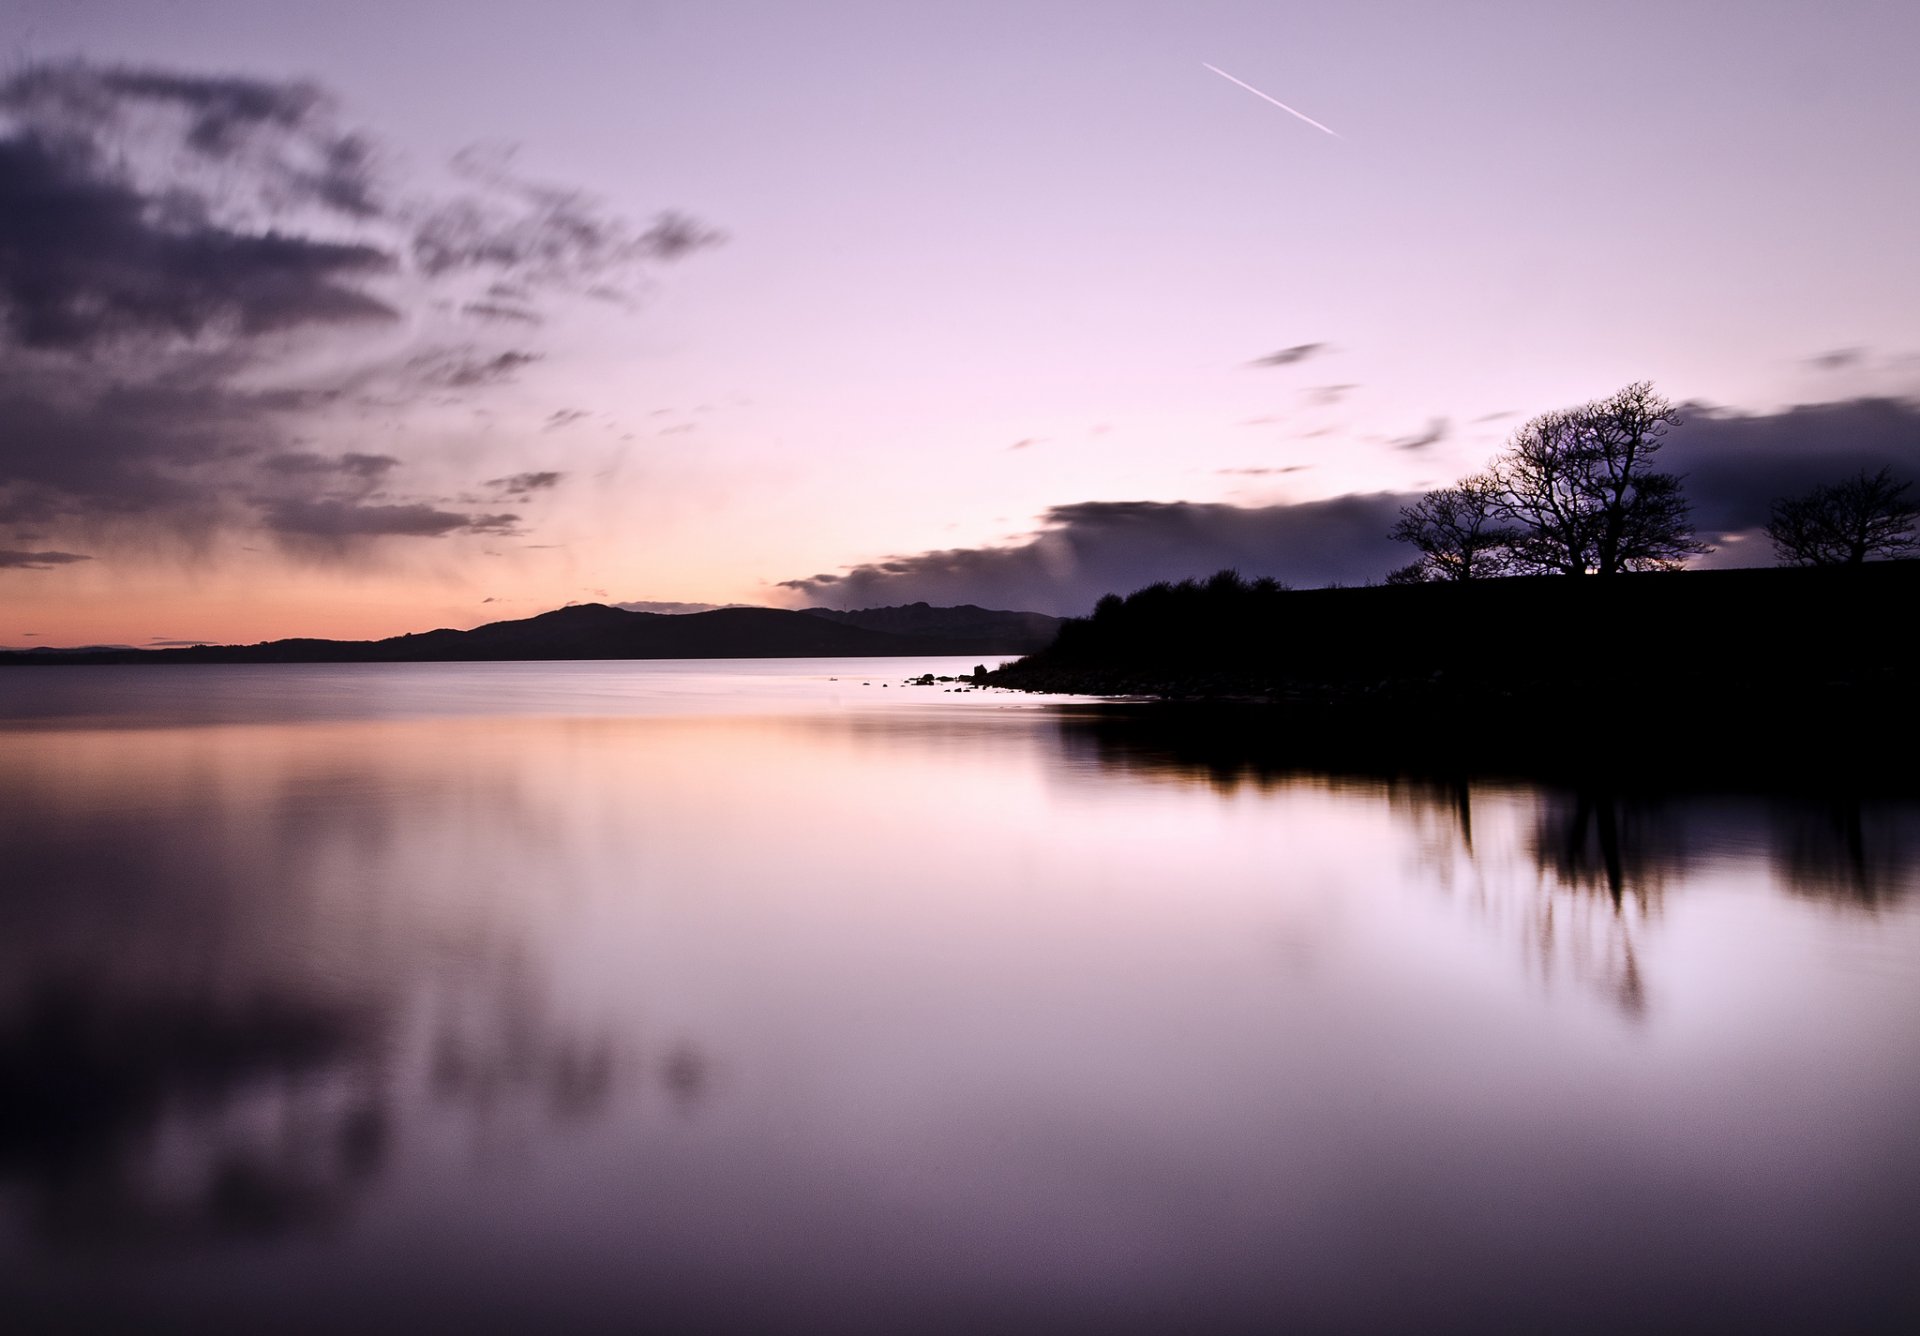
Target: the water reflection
pixel 1598 858
pixel 940 1014
pixel 1621 839
pixel 218 957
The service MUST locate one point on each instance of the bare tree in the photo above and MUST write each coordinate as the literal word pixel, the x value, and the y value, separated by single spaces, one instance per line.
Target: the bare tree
pixel 1581 487
pixel 1460 532
pixel 1542 490
pixel 1844 523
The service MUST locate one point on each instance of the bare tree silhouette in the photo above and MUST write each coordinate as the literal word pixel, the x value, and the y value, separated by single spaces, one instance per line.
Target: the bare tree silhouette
pixel 1844 523
pixel 1581 486
pixel 1460 530
pixel 1576 493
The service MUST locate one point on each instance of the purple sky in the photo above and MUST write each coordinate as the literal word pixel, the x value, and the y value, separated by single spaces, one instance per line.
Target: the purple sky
pixel 987 270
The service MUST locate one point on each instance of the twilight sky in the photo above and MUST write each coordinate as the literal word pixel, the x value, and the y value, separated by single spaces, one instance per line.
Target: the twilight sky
pixel 352 319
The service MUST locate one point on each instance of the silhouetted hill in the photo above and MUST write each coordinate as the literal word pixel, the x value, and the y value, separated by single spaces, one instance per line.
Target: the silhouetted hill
pixel 585 631
pixel 1771 667
pixel 996 631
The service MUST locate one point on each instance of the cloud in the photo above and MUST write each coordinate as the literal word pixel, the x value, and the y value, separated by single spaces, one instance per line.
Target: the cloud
pixel 85 258
pixel 1737 464
pixel 497 311
pixel 1264 472
pixel 350 464
pixel 1325 396
pixel 1839 359
pixel 187 264
pixel 466 368
pixel 563 417
pixel 525 484
pixel 1435 433
pixel 535 233
pixel 1298 353
pixel 11 559
pixel 1026 441
pixel 336 521
pixel 113 226
pixel 1098 547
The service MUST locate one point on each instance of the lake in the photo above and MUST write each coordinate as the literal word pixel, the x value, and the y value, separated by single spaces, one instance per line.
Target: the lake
pixel 780 995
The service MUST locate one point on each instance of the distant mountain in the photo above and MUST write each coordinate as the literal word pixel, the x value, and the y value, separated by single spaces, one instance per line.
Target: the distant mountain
pixel 1007 631
pixel 596 631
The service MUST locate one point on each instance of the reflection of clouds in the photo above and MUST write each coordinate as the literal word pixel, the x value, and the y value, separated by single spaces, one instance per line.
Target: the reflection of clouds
pixel 242 971
pixel 101 1089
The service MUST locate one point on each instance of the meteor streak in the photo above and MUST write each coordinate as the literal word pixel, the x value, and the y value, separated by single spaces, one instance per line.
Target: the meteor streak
pixel 1276 101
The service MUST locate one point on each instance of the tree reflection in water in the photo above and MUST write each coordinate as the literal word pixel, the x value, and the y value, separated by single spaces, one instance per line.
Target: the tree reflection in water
pixel 1580 877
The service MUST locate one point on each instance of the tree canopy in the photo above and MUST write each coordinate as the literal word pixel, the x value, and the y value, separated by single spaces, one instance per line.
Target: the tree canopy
pixel 1575 493
pixel 1460 531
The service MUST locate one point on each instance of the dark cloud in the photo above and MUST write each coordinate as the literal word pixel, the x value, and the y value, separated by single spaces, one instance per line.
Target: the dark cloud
pixel 564 417
pixel 93 447
pixel 525 484
pixel 1264 472
pixel 1299 352
pixel 1839 359
pixel 1098 547
pixel 11 559
pixel 466 368
pixel 283 133
pixel 1026 441
pixel 497 311
pixel 85 257
pixel 341 520
pixel 351 464
pixel 172 245
pixel 1435 433
pixel 1736 465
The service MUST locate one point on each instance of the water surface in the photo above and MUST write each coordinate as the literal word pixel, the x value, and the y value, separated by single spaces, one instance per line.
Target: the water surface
pixel 731 996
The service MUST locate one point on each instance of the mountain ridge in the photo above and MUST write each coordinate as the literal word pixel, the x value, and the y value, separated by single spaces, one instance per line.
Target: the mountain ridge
pixel 600 631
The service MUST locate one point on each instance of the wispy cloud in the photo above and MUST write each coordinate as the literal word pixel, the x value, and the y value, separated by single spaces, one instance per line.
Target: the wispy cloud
pixel 525 484
pixel 17 560
pixel 1435 433
pixel 1293 356
pixel 1839 359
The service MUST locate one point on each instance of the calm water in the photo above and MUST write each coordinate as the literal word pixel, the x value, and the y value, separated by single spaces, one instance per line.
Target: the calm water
pixel 724 996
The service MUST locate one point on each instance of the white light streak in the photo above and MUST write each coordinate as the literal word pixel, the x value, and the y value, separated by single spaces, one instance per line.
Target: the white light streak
pixel 1276 101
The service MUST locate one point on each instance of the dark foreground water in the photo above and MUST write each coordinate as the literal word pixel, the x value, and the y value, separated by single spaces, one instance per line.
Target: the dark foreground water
pixel 618 997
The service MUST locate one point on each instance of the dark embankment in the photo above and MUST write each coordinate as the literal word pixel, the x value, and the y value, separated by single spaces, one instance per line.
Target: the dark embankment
pixel 1793 675
pixel 596 631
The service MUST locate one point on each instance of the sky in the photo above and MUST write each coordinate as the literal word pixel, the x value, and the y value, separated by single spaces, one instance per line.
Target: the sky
pixel 357 319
